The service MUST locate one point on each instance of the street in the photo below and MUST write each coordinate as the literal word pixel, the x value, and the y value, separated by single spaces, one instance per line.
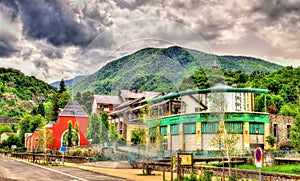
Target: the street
pixel 12 170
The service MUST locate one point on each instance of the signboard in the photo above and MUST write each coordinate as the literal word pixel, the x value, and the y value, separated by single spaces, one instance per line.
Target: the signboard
pixel 258 157
pixel 186 159
pixel 63 149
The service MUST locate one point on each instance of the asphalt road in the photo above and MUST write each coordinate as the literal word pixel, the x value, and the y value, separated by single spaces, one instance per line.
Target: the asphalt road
pixel 12 170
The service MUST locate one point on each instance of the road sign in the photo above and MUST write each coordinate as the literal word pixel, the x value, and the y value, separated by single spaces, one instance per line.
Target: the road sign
pixel 63 149
pixel 258 157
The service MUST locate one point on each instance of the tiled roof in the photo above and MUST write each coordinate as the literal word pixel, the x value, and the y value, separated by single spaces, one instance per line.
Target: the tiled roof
pixel 115 100
pixel 73 108
pixel 5 119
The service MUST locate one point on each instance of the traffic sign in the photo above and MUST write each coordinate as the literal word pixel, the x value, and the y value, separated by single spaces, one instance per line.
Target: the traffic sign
pixel 258 157
pixel 63 149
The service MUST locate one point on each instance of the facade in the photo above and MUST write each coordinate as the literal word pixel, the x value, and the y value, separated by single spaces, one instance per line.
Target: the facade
pixel 127 116
pixel 280 128
pixel 193 130
pixel 104 103
pixel 72 112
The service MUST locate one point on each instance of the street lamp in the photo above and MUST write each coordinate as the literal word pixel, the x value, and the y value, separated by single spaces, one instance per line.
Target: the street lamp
pixel 256 131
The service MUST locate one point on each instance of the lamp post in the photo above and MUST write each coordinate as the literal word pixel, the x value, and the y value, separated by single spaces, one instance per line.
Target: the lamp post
pixel 256 131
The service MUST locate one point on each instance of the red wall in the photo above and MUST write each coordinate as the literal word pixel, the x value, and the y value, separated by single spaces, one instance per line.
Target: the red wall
pixel 62 125
pixel 59 128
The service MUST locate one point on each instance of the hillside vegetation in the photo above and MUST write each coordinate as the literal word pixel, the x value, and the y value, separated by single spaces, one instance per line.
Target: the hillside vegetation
pixel 20 93
pixel 283 86
pixel 163 69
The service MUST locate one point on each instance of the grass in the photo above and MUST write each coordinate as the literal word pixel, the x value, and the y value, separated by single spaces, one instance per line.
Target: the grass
pixel 289 168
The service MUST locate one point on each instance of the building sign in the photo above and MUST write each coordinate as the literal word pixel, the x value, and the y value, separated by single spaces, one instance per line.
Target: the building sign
pixel 186 159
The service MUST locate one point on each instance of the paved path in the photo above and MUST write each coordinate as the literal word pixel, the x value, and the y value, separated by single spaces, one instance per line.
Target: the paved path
pixel 12 170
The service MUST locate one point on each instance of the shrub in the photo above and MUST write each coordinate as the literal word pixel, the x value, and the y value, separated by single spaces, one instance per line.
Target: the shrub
pixel 207 176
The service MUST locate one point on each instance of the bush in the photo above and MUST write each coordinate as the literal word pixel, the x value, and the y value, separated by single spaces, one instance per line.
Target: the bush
pixel 207 176
pixel 233 178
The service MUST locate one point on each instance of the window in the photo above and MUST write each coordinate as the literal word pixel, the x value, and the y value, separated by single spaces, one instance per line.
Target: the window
pixel 152 135
pixel 235 127
pixel 189 128
pixel 163 130
pixel 275 130
pixel 210 127
pixel 288 129
pixel 256 128
pixel 174 129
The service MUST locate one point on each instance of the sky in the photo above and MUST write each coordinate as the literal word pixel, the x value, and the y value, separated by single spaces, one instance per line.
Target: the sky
pixel 54 39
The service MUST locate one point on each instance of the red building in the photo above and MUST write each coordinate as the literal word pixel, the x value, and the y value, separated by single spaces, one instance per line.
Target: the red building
pixel 72 112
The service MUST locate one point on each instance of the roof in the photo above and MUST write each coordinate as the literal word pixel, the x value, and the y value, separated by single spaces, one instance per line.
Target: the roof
pixel 136 94
pixel 73 108
pixel 205 91
pixel 115 100
pixel 5 119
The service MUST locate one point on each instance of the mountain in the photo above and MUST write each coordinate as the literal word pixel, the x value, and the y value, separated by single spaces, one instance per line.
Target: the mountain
pixel 69 82
pixel 20 93
pixel 163 69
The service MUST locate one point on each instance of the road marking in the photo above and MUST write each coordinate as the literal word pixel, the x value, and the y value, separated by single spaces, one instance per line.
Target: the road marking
pixel 82 179
pixel 49 169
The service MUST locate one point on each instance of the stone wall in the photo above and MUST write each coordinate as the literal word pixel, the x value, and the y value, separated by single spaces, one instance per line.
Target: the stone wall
pixel 218 171
pixel 282 122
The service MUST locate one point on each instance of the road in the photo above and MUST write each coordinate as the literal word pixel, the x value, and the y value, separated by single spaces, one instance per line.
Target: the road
pixel 13 170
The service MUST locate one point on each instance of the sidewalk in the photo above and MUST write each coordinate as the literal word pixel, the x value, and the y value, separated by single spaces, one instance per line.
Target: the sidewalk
pixel 131 174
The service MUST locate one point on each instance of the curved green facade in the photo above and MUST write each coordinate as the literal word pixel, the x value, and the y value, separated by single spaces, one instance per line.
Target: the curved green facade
pixel 209 117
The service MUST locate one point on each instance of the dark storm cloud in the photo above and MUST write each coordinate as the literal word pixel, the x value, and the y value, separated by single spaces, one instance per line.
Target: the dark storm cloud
pixel 41 64
pixel 7 45
pixel 51 51
pixel 131 6
pixel 275 9
pixel 52 21
pixel 13 5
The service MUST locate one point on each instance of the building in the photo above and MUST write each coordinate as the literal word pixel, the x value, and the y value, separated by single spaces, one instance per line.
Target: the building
pixel 280 128
pixel 185 129
pixel 127 116
pixel 72 112
pixel 9 120
pixel 104 103
pixel 5 135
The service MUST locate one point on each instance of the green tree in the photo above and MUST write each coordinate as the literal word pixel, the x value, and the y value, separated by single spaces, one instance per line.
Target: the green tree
pixel 295 134
pixel 138 136
pixel 54 107
pixel 84 100
pixel 46 139
pixel 76 134
pixel 94 129
pixel 11 140
pixel 28 124
pixel 41 109
pixel 290 109
pixel 104 127
pixel 5 128
pixel 69 134
pixel 62 86
pixel 63 99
